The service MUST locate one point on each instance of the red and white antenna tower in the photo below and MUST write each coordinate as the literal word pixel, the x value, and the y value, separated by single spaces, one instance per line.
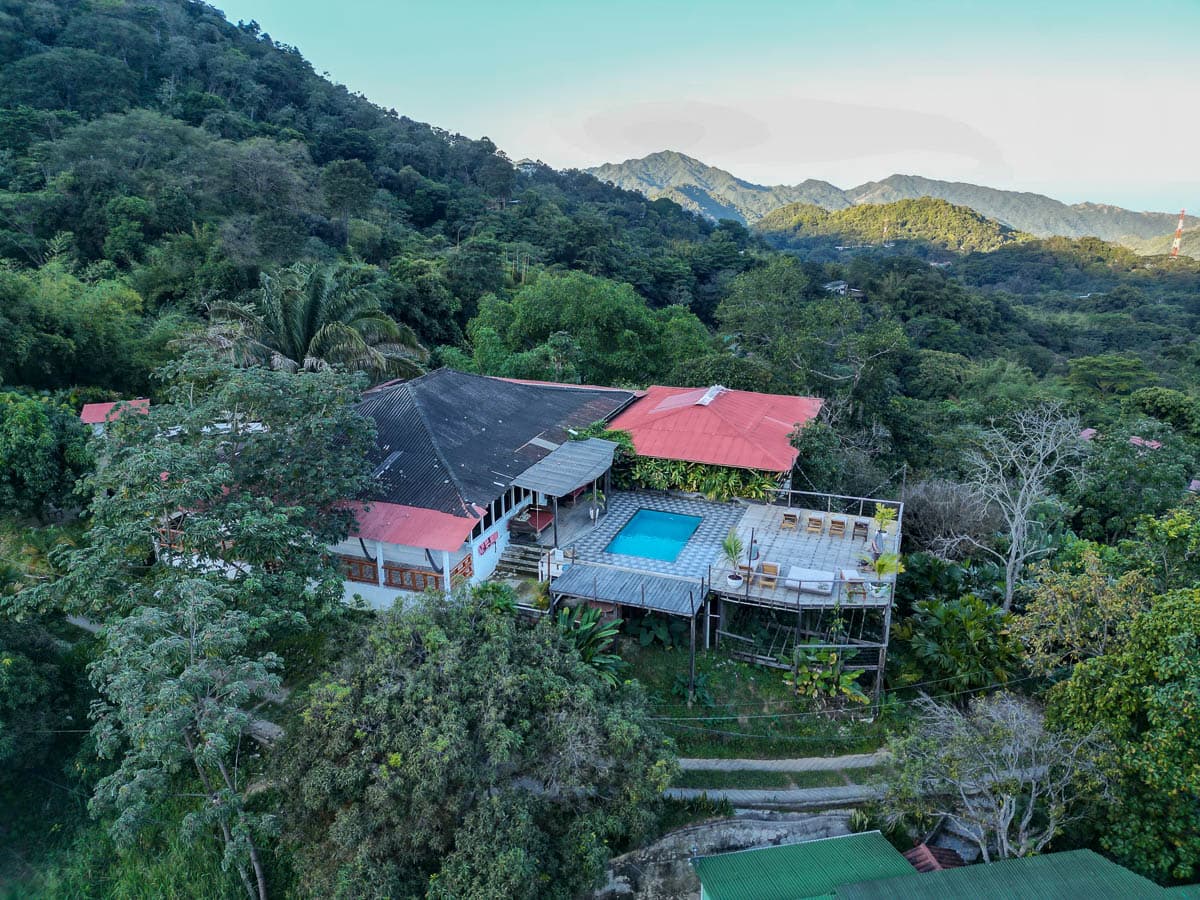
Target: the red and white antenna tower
pixel 1178 236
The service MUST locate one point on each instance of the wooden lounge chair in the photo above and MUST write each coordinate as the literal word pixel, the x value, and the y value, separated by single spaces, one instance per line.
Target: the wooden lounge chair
pixel 768 575
pixel 837 528
pixel 861 530
pixel 790 522
pixel 816 524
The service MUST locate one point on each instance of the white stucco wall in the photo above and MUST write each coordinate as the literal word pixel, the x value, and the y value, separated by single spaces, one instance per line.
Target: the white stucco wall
pixel 485 551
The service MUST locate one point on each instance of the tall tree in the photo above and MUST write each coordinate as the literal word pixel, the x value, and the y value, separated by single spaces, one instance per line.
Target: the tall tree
pixel 1142 694
pixel 1012 470
pixel 1137 469
pixel 310 317
pixel 997 767
pixel 243 466
pixel 1080 606
pixel 465 753
pixel 177 687
pixel 43 452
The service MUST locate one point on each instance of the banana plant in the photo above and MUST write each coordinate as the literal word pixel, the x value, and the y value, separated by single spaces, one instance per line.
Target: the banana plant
pixel 594 639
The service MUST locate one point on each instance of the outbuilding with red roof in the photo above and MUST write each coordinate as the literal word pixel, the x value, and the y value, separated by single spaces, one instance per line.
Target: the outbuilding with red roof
pixel 100 414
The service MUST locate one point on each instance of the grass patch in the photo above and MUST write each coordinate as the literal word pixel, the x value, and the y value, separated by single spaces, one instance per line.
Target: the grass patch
pixel 676 814
pixel 755 779
pixel 750 711
pixel 759 779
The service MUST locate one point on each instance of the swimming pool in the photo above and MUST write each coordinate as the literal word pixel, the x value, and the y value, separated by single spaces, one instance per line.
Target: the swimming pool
pixel 654 535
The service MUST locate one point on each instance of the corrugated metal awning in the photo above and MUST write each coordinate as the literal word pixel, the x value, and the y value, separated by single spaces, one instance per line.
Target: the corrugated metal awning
pixel 674 596
pixel 568 467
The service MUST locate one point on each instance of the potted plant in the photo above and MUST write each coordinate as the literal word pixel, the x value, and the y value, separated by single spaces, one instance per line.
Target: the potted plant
pixel 596 505
pixel 886 566
pixel 884 517
pixel 732 548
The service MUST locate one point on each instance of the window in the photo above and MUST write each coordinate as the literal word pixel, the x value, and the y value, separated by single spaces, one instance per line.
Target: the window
pixel 355 568
pixel 410 579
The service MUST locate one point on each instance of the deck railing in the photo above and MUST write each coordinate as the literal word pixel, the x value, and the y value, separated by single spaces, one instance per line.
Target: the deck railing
pixel 755 588
pixel 843 504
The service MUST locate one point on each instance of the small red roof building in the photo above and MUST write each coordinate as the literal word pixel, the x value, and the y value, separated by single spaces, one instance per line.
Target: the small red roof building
pixel 99 413
pixel 717 426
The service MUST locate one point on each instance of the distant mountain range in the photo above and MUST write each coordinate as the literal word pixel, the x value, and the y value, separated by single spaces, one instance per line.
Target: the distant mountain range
pixel 720 195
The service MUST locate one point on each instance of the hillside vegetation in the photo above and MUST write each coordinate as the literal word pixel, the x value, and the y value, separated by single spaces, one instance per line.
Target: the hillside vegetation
pixel 934 222
pixel 188 212
pixel 157 158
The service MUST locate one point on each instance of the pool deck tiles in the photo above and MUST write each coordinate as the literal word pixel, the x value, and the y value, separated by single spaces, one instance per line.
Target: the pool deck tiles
pixel 702 550
pixel 701 556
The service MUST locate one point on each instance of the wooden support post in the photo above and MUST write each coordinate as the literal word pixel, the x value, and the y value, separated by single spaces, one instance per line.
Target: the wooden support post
pixel 692 651
pixel 887 627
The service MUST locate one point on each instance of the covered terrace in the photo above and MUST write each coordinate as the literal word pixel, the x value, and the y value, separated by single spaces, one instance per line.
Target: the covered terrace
pixel 571 472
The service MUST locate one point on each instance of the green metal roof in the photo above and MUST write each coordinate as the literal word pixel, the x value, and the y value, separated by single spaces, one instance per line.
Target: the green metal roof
pixel 800 871
pixel 1074 873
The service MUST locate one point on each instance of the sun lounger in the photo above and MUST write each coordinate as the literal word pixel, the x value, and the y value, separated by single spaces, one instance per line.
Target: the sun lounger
pixel 861 530
pixel 790 522
pixel 837 528
pixel 809 581
pixel 816 524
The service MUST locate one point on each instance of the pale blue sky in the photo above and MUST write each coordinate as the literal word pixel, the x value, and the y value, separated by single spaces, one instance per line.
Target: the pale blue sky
pixel 1081 100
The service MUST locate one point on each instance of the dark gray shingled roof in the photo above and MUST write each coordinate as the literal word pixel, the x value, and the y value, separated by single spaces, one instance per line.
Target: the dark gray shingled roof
pixel 450 440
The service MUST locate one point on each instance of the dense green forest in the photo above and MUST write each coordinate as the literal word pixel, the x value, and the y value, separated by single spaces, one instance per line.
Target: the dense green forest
pixel 933 222
pixel 189 212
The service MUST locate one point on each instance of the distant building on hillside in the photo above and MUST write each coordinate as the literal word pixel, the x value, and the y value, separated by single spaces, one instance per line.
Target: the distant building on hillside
pixel 97 415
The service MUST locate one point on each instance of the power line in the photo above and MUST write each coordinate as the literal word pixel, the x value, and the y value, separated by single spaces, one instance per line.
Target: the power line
pixel 813 713
pixel 902 687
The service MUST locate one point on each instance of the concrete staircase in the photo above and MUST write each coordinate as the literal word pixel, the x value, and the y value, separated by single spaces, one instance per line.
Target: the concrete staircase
pixel 520 560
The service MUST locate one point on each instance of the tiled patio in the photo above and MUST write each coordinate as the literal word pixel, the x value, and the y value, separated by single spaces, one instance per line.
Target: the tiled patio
pixel 790 548
pixel 702 550
pixel 831 559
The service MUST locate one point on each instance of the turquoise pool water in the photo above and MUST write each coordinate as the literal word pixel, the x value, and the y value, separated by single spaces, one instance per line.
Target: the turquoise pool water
pixel 654 535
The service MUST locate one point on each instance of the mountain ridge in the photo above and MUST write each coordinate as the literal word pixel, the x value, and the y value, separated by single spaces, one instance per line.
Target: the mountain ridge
pixel 717 193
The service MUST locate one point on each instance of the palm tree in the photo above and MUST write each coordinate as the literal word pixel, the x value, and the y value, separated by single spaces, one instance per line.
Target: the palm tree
pixel 310 317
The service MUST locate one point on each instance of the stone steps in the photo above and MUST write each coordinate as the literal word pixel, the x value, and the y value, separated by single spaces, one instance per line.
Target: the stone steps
pixel 520 560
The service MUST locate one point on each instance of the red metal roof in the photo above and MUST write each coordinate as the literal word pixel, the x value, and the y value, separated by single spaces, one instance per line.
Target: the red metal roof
pixel 411 525
pixel 734 428
pixel 99 413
